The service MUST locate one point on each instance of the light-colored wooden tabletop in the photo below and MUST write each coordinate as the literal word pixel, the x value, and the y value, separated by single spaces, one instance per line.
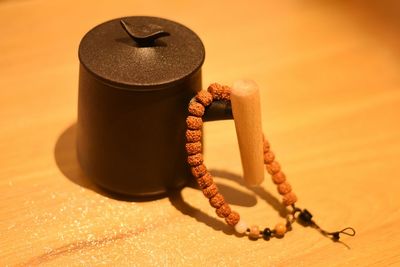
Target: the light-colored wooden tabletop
pixel 330 84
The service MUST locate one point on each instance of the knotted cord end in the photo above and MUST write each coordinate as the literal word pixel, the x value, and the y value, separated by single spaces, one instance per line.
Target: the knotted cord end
pixel 305 218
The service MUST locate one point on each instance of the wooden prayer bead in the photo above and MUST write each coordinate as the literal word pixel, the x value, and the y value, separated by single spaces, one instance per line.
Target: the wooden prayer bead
pixel 193 135
pixel 273 167
pixel 193 148
pixel 195 159
pixel 210 191
pixel 254 232
pixel 215 90
pixel 199 171
pixel 219 92
pixel 205 181
pixel 269 157
pixel 233 218
pixel 196 109
pixel 194 123
pixel 226 92
pixel 204 97
pixel 217 201
pixel 223 211
pixel 279 177
pixel 289 198
pixel 284 188
pixel 280 229
pixel 266 145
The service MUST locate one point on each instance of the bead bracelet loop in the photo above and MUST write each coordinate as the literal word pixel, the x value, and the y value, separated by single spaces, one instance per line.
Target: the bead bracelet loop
pixel 194 123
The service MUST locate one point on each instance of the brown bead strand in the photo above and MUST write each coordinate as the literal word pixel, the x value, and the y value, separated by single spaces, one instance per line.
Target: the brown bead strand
pixel 224 210
pixel 193 135
pixel 196 109
pixel 233 218
pixel 195 159
pixel 210 191
pixel 278 177
pixel 217 201
pixel 194 123
pixel 204 98
pixel 219 92
pixel 193 148
pixel 204 179
pixel 199 170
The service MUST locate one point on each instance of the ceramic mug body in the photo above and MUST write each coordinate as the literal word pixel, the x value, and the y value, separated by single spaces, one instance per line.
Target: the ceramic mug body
pixel 133 142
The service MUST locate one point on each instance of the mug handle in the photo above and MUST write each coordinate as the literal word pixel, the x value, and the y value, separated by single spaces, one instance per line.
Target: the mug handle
pixel 245 109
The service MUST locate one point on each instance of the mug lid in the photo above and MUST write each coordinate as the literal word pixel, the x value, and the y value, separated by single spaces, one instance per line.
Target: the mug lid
pixel 141 52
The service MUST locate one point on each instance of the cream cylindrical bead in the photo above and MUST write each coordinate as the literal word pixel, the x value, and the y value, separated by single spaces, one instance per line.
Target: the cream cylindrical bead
pixel 241 227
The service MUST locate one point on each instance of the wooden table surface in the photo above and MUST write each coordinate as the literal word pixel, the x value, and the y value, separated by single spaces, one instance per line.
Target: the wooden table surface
pixel 330 84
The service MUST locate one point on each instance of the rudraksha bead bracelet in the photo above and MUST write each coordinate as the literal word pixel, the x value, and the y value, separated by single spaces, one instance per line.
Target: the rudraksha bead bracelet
pixel 205 180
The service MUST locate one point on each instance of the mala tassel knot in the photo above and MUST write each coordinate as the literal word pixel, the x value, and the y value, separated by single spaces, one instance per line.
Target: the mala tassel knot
pixel 305 218
pixel 346 231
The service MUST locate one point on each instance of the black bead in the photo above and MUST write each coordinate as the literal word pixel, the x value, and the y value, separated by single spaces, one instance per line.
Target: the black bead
pixel 305 216
pixel 336 236
pixel 267 233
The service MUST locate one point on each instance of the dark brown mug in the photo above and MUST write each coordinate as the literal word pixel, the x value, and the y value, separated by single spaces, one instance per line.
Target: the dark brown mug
pixel 137 76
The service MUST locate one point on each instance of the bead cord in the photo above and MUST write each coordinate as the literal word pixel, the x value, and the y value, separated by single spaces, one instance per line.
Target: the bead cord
pixel 194 123
pixel 305 218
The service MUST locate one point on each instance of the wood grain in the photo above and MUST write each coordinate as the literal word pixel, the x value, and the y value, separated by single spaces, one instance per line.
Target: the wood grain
pixel 330 97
